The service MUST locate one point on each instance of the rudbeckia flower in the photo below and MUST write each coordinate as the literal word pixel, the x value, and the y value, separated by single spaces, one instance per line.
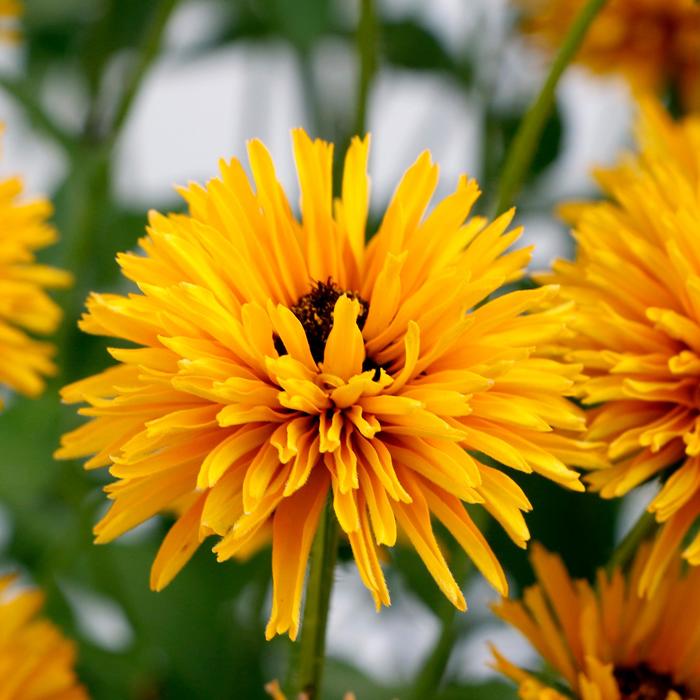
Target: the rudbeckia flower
pixel 654 44
pixel 607 643
pixel 636 284
pixel 36 661
pixel 278 362
pixel 25 307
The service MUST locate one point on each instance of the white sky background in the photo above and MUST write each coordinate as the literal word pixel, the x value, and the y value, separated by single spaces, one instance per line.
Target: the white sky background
pixel 188 115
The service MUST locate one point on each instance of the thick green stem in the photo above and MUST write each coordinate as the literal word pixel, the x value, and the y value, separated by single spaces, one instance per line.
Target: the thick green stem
pixel 367 38
pixel 432 672
pixel 527 137
pixel 625 551
pixel 312 652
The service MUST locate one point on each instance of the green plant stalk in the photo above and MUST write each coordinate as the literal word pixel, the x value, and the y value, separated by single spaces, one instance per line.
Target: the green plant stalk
pixel 625 551
pixel 430 676
pixel 367 39
pixel 36 113
pixel 312 651
pixel 524 145
pixel 148 52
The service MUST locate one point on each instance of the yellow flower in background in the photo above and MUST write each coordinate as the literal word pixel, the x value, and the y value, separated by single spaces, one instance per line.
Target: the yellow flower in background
pixel 655 44
pixel 10 11
pixel 36 661
pixel 607 643
pixel 25 307
pixel 276 362
pixel 636 284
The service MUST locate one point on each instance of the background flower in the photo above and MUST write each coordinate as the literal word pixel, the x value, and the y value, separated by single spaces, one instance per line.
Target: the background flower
pixel 607 643
pixel 25 307
pixel 655 44
pixel 36 661
pixel 635 282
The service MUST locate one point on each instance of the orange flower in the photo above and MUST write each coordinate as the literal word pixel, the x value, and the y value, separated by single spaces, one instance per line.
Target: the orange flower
pixel 278 362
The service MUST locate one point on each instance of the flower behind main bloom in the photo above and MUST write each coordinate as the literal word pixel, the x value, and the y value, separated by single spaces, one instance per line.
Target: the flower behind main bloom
pixel 636 284
pixel 25 307
pixel 608 643
pixel 36 661
pixel 278 361
pixel 654 44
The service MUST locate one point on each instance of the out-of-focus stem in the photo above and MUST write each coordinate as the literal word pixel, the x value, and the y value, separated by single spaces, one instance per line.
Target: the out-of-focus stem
pixel 625 551
pixel 367 31
pixel 148 52
pixel 432 672
pixel 524 144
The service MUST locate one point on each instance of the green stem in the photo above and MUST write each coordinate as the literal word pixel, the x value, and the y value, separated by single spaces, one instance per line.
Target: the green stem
pixel 26 98
pixel 148 52
pixel 527 137
pixel 432 672
pixel 318 595
pixel 625 551
pixel 367 35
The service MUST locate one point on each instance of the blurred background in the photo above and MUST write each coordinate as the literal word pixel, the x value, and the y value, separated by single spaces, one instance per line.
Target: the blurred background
pixel 110 103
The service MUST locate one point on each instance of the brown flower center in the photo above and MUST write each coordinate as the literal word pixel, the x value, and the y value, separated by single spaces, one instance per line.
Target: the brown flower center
pixel 643 683
pixel 315 311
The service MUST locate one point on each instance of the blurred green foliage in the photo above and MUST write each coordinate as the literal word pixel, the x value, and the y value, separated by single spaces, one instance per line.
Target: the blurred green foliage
pixel 203 636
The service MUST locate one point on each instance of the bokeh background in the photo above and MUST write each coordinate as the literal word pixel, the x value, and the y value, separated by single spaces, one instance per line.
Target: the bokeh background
pixel 105 113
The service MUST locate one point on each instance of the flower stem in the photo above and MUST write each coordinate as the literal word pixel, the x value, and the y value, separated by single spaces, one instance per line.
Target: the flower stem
pixel 318 595
pixel 430 676
pixel 625 551
pixel 148 52
pixel 524 144
pixel 367 52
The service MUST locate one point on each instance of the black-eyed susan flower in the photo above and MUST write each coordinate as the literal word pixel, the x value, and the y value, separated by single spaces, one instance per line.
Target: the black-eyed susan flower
pixel 654 44
pixel 25 307
pixel 36 661
pixel 636 284
pixel 607 643
pixel 278 361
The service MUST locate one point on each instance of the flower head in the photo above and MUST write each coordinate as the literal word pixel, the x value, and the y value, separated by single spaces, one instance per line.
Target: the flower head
pixel 36 661
pixel 25 307
pixel 279 362
pixel 654 44
pixel 608 643
pixel 636 284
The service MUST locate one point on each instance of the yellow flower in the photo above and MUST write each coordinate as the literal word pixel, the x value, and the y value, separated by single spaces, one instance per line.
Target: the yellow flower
pixel 36 661
pixel 607 643
pixel 636 283
pixel 25 306
pixel 279 361
pixel 655 44
pixel 10 10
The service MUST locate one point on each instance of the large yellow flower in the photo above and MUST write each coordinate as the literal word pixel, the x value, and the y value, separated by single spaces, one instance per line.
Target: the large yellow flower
pixel 25 306
pixel 36 661
pixel 636 283
pixel 655 44
pixel 278 361
pixel 608 643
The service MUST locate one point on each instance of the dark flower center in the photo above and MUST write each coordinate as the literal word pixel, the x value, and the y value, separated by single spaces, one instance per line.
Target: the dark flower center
pixel 643 683
pixel 315 311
